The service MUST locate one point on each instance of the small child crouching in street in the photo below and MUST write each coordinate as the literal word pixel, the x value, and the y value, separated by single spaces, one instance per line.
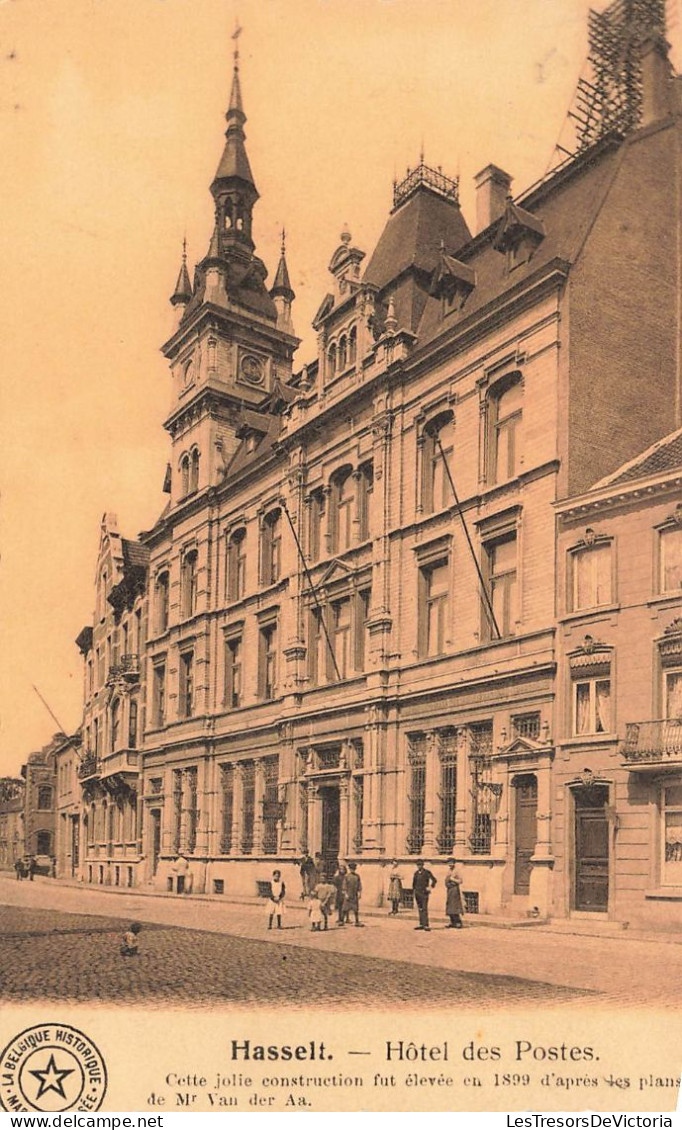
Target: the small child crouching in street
pixel 129 946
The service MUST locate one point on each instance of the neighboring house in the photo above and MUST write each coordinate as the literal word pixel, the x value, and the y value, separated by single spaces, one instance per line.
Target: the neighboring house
pixel 11 820
pixel 618 771
pixel 40 802
pixel 107 841
pixel 68 817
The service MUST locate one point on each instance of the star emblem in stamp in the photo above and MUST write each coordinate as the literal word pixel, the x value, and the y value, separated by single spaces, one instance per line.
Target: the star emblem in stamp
pixel 52 1068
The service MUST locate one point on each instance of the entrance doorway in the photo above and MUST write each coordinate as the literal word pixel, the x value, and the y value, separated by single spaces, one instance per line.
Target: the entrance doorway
pixel 156 839
pixel 591 891
pixel 331 828
pixel 75 843
pixel 526 830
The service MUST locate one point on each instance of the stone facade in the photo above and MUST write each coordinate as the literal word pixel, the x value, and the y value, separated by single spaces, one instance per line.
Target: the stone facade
pixel 11 820
pixel 618 769
pixel 350 628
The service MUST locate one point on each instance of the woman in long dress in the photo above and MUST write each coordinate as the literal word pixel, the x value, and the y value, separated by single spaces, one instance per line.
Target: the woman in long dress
pixel 454 906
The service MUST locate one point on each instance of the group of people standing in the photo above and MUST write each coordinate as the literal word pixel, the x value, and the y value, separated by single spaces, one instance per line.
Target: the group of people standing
pixel 26 867
pixel 340 895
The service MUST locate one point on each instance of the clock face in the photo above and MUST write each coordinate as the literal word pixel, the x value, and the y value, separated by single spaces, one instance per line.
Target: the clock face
pixel 252 369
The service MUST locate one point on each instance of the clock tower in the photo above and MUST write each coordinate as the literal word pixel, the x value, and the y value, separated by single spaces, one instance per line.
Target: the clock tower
pixel 234 343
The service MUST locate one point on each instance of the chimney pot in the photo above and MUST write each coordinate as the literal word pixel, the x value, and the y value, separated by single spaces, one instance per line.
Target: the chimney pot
pixel 493 186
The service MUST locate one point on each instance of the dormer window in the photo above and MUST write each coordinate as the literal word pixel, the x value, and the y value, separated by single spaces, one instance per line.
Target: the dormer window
pixel 518 235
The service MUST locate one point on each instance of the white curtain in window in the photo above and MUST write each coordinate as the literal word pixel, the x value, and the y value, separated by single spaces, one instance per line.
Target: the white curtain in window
pixel 582 708
pixel 603 707
pixel 673 694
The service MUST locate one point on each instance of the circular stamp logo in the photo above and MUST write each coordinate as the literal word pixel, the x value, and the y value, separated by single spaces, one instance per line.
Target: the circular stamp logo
pixel 52 1068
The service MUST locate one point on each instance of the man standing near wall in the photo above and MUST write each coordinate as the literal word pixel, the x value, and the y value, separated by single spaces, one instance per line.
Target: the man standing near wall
pixel 422 884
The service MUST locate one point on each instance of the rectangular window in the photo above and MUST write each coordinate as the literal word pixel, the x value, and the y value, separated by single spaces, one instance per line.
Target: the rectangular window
pixel 270 806
pixel 592 706
pixel 189 584
pixel 248 806
pixel 501 561
pixel 236 565
pixel 670 546
pixel 672 836
pixel 416 764
pixel 227 808
pixel 267 661
pixel 505 415
pixel 315 513
pixel 526 726
pixel 159 692
pixel 447 749
pixel 365 491
pixel 482 795
pixel 362 604
pixel 340 633
pixel 162 602
pixel 317 647
pixel 592 576
pixel 176 826
pixel 673 695
pixel 434 608
pixel 193 808
pixel 271 548
pixel 132 724
pixel 233 672
pixel 186 697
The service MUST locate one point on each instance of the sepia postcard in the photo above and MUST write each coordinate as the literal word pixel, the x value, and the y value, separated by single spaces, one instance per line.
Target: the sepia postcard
pixel 341 584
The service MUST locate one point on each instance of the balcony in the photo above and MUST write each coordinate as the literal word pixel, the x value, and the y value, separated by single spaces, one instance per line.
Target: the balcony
pixel 653 745
pixel 89 767
pixel 122 763
pixel 127 667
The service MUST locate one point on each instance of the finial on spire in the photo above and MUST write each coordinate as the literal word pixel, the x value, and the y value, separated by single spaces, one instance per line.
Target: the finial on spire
pixel 391 322
pixel 235 37
pixel 183 287
pixel 284 241
pixel 345 234
pixel 282 286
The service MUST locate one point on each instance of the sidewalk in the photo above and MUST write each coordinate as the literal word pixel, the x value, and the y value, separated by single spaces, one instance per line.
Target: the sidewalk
pixel 562 926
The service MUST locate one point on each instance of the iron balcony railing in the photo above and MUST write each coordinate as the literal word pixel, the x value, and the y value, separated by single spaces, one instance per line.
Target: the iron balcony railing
pixel 89 766
pixel 657 740
pixel 127 666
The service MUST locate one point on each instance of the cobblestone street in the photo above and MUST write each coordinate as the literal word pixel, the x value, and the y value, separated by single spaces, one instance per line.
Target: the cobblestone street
pixel 62 943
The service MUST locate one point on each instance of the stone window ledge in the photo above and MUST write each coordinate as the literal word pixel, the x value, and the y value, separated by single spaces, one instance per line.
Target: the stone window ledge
pixel 669 894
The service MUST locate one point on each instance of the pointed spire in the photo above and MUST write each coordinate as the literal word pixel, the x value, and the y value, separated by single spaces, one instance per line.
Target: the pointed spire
pixel 183 287
pixel 234 161
pixel 282 285
pixel 391 322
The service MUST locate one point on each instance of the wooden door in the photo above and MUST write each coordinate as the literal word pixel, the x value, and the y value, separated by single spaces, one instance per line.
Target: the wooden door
pixel 526 831
pixel 591 849
pixel 331 828
pixel 156 839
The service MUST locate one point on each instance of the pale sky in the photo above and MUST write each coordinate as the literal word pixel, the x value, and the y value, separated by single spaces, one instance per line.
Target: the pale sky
pixel 111 128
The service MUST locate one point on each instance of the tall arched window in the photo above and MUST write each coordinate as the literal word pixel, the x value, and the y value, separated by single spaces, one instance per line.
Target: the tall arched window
pixel 272 547
pixel 331 361
pixel 343 505
pixel 184 476
pixel 315 514
pixel 162 601
pixel 194 470
pixel 439 442
pixel 343 354
pixel 365 489
pixel 189 583
pixel 505 404
pixel 236 565
pixel 115 723
pixel 352 345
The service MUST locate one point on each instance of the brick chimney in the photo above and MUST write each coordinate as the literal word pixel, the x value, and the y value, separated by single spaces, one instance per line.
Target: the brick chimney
pixel 492 188
pixel 656 79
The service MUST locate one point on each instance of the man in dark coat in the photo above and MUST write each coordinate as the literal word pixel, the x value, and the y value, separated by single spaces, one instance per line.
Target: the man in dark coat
pixel 423 883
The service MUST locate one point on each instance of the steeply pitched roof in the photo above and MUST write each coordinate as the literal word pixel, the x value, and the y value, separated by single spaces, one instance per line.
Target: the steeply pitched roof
pixel 413 236
pixel 565 206
pixel 135 555
pixel 664 455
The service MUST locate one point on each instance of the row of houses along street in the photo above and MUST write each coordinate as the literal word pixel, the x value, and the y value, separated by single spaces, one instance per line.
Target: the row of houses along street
pixel 422 595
